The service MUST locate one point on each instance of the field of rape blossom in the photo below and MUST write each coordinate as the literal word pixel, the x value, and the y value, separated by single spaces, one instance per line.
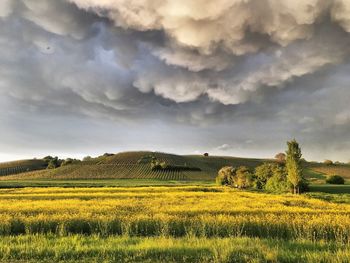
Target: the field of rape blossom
pixel 170 224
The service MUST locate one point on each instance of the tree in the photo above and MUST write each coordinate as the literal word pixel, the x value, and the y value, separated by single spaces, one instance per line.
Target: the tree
pixel 54 163
pixel 70 161
pixel 280 157
pixel 293 165
pixel 87 158
pixel 262 174
pixel 278 182
pixel 158 165
pixel 243 178
pixel 225 175
pixel 328 162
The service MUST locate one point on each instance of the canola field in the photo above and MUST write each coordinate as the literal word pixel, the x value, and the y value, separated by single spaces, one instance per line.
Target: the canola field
pixel 172 224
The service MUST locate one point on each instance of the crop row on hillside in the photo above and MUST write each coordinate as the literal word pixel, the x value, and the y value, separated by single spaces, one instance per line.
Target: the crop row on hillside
pixel 171 211
pixel 21 166
pixel 106 171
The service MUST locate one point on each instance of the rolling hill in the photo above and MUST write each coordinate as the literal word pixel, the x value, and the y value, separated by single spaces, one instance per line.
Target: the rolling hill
pixel 138 165
pixel 129 165
pixel 21 166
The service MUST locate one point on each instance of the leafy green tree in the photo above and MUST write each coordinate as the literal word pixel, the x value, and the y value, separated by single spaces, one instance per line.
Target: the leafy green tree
pixel 225 175
pixel 328 162
pixel 54 163
pixel 280 157
pixel 293 165
pixel 262 174
pixel 278 182
pixel 158 165
pixel 70 161
pixel 243 178
pixel 87 158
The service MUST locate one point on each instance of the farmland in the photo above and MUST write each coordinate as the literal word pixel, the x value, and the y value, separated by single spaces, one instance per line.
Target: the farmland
pixel 135 165
pixel 21 166
pixel 131 165
pixel 116 208
pixel 197 223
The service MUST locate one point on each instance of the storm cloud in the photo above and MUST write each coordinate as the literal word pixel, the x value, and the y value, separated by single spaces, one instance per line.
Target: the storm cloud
pixel 229 76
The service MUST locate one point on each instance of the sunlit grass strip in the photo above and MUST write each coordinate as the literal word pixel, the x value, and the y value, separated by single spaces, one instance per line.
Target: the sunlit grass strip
pixel 79 248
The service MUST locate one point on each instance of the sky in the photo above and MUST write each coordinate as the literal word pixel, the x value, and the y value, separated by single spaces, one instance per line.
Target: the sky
pixel 228 77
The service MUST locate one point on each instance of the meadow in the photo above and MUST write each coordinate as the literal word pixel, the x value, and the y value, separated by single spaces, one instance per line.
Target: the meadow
pixel 117 209
pixel 196 223
pixel 171 212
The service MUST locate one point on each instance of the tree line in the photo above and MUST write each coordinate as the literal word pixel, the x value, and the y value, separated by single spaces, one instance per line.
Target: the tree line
pixel 284 175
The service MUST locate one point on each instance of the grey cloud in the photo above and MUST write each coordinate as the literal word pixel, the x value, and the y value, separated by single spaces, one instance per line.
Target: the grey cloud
pixel 227 71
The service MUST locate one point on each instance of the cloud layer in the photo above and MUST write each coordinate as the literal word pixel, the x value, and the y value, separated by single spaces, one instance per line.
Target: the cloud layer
pixel 250 67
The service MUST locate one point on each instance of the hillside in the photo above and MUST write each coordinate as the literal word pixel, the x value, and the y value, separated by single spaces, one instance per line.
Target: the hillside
pixel 137 165
pixel 130 165
pixel 21 166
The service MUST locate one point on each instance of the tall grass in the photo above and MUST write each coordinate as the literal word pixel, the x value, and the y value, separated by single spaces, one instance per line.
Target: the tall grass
pixel 78 248
pixel 187 211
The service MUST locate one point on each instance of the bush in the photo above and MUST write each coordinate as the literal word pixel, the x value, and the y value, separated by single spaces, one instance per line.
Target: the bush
pixel 335 179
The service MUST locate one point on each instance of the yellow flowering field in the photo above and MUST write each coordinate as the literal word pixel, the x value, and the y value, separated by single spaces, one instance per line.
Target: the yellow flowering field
pixel 171 211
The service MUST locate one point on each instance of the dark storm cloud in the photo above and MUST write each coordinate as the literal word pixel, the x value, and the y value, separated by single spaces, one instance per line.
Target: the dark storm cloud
pixel 237 75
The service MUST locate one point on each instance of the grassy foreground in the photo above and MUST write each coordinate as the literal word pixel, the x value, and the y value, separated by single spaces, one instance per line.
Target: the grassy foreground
pixel 78 248
pixel 186 223
pixel 176 211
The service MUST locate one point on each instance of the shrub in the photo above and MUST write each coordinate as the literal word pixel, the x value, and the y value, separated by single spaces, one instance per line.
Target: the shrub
pixel 335 179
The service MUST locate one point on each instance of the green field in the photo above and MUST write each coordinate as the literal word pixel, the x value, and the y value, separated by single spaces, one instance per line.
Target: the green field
pixel 98 183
